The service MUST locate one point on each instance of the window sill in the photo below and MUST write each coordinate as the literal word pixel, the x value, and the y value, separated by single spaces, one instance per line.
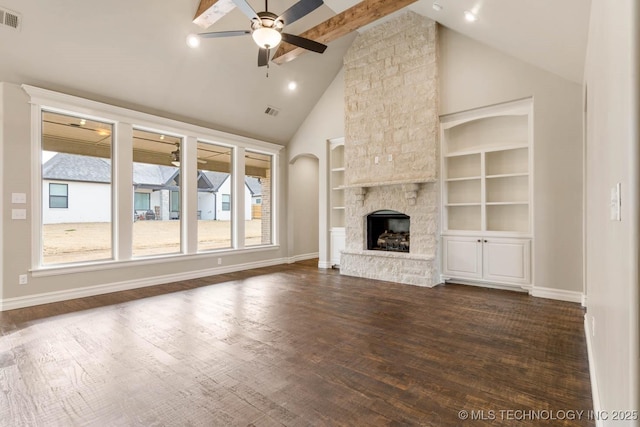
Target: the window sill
pixel 57 270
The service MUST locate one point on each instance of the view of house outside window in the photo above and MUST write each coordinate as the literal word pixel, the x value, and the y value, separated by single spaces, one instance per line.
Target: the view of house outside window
pixel 156 183
pixel 215 186
pixel 258 170
pixel 76 189
pixel 77 193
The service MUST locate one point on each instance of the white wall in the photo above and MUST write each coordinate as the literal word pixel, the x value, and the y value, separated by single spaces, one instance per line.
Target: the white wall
pixel 612 156
pixel 207 205
pixel 304 204
pixel 225 188
pixel 86 201
pixel 326 121
pixel 473 75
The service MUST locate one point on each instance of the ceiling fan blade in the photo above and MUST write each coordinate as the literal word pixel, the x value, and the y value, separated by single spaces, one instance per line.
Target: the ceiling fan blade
pixel 304 43
pixel 217 34
pixel 263 57
pixel 300 9
pixel 246 9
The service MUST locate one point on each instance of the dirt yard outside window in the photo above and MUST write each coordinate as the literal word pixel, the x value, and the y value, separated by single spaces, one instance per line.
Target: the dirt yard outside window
pixel 91 241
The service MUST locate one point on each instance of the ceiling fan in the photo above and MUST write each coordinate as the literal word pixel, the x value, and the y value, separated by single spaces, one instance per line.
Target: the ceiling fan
pixel 266 28
pixel 175 157
pixel 357 16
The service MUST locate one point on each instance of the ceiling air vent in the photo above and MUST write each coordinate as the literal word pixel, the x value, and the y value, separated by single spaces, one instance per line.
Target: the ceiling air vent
pixel 271 111
pixel 10 19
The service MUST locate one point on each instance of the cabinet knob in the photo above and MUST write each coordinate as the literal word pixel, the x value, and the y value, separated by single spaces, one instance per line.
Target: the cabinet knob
pixel 486 241
pixel 479 241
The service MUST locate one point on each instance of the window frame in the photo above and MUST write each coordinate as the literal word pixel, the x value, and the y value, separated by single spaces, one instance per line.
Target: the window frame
pixel 226 203
pixel 124 121
pixel 65 197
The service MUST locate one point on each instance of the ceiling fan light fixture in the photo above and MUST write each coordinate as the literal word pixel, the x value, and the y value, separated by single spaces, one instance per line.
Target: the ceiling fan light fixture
pixel 266 38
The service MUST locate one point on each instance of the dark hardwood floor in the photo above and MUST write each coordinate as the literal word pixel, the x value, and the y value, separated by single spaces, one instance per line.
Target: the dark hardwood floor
pixel 297 346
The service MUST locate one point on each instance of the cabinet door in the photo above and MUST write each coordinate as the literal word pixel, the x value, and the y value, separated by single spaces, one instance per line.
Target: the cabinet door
pixel 507 260
pixel 338 237
pixel 462 257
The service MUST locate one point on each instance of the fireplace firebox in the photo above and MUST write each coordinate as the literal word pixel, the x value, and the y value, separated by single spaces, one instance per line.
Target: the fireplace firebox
pixel 388 230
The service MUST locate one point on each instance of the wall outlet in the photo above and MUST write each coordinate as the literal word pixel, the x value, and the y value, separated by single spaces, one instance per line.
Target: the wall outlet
pixel 376 160
pixel 23 279
pixel 219 261
pixel 390 157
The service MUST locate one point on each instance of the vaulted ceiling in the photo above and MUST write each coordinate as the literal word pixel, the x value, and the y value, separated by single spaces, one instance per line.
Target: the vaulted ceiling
pixel 133 54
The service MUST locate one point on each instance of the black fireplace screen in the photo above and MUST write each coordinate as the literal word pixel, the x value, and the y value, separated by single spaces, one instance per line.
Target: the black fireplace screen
pixel 388 231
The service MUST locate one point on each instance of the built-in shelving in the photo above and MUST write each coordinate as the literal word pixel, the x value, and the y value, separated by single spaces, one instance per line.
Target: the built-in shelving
pixel 336 199
pixel 487 193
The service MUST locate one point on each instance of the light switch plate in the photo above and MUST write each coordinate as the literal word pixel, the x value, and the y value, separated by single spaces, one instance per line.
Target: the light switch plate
pixel 615 203
pixel 18 214
pixel 20 198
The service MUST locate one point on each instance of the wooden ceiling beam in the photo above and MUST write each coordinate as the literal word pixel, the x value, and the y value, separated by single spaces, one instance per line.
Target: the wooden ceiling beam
pixel 210 11
pixel 363 13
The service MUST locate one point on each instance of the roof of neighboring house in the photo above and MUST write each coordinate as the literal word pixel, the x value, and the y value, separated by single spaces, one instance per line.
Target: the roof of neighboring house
pixel 216 179
pixel 146 174
pixel 254 185
pixel 73 167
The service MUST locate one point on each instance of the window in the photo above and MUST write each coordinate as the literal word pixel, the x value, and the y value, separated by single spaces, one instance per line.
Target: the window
pixel 58 195
pixel 142 202
pixel 226 202
pixel 214 186
pixel 156 178
pixel 175 202
pixel 258 221
pixel 78 164
pixel 76 159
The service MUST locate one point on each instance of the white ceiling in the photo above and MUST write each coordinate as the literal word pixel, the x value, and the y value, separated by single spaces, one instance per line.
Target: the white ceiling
pixel 133 54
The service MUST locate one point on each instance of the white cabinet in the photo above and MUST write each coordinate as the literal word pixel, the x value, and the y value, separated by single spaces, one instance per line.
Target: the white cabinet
pixel 336 200
pixel 493 260
pixel 487 193
pixel 337 244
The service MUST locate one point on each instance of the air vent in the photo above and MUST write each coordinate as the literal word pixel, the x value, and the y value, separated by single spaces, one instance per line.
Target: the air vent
pixel 10 19
pixel 271 111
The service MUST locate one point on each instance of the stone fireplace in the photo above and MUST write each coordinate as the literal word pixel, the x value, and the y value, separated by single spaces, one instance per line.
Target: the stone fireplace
pixel 391 152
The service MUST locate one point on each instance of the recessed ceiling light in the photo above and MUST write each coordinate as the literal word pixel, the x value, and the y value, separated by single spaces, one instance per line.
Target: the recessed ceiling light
pixel 193 40
pixel 292 86
pixel 83 122
pixel 437 6
pixel 162 137
pixel 470 16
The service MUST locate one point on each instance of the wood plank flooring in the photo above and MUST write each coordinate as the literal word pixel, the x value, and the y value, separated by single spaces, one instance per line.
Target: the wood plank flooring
pixel 295 346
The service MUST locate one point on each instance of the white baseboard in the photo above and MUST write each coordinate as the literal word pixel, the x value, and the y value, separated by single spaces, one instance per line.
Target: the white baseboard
pixel 49 297
pixel 558 294
pixel 303 257
pixel 584 300
pixel 482 284
pixel 325 264
pixel 595 394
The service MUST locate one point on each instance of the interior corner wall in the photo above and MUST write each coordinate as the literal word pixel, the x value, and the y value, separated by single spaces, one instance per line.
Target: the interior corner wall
pixel 325 122
pixel 613 156
pixel 474 75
